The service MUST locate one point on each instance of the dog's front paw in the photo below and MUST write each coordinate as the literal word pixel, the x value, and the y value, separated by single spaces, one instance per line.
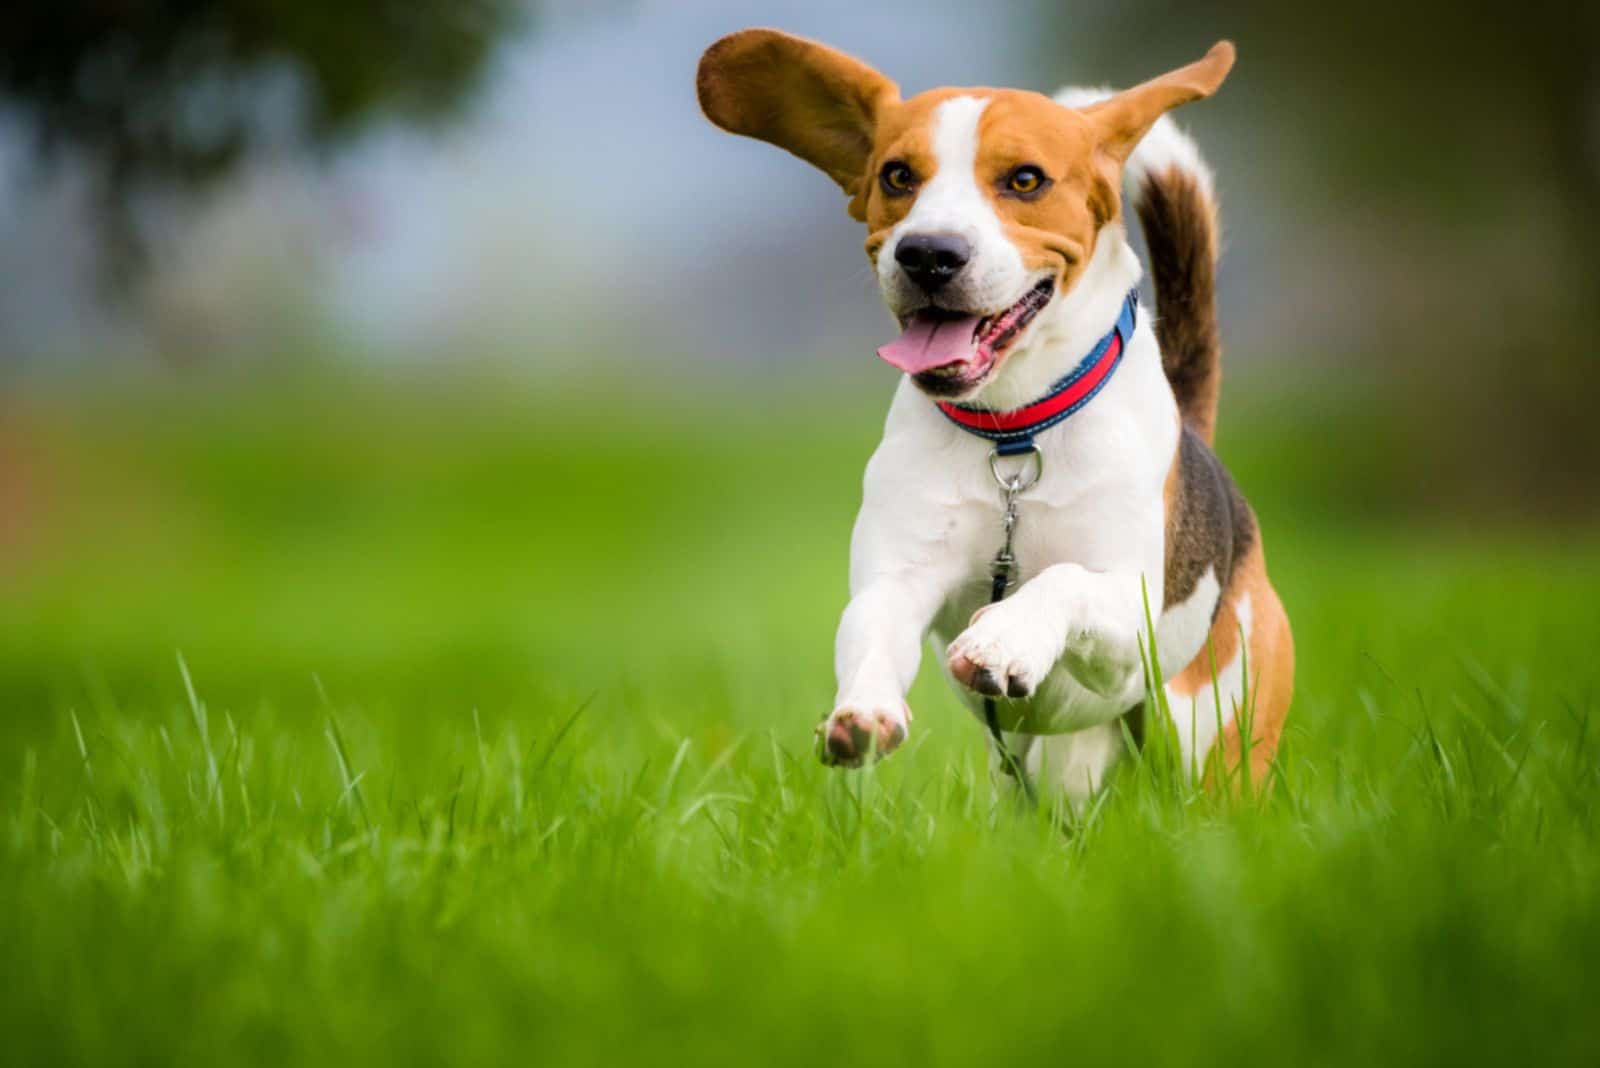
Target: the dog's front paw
pixel 846 737
pixel 1001 653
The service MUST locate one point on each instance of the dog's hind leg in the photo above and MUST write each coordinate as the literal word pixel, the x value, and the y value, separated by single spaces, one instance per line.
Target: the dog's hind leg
pixel 1236 691
pixel 1075 765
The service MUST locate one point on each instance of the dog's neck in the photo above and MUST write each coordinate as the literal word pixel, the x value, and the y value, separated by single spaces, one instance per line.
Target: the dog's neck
pixel 1069 328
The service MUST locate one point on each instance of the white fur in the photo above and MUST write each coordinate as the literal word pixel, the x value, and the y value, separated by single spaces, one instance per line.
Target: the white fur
pixel 1079 97
pixel 1075 764
pixel 1088 532
pixel 1181 631
pixel 1196 718
pixel 1090 540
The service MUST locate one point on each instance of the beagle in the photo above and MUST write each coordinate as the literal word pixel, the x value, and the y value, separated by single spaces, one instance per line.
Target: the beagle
pixel 995 227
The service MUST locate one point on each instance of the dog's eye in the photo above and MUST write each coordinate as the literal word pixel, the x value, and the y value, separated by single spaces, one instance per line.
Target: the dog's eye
pixel 1026 181
pixel 897 178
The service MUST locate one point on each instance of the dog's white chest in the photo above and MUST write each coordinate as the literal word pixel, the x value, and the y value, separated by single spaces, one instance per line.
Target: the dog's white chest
pixel 1097 507
pixel 1046 535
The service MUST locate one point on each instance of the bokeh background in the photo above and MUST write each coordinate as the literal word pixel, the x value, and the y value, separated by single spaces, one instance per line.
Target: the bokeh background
pixel 428 452
pixel 360 336
pixel 1411 199
pixel 287 286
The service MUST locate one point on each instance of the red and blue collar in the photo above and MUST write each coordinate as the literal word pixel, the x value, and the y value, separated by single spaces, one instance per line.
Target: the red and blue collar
pixel 1013 431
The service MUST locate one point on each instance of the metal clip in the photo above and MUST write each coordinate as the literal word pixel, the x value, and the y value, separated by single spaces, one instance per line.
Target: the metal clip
pixel 1011 485
pixel 1025 477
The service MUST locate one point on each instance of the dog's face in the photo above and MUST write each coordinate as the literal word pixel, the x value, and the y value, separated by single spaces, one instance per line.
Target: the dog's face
pixel 982 206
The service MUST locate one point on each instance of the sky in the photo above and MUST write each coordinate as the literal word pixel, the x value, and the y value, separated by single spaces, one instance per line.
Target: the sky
pixel 580 205
pixel 588 174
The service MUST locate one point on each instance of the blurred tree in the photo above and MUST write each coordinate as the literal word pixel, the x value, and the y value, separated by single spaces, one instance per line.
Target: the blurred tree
pixel 1436 167
pixel 163 94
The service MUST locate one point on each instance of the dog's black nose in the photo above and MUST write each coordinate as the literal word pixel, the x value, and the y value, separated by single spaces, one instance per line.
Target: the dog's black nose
pixel 931 260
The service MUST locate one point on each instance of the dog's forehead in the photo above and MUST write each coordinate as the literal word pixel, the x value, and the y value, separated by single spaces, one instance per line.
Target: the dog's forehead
pixel 1013 122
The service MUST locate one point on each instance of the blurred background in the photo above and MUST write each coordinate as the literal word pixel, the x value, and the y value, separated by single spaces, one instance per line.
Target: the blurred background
pixel 285 283
pixel 1412 199
pixel 388 386
pixel 1412 196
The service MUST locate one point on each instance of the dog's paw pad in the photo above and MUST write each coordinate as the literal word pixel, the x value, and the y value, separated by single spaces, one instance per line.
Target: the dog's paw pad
pixel 846 737
pixel 988 672
pixel 963 668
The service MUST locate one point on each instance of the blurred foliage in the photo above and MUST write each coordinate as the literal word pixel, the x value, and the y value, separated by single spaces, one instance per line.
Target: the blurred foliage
pixel 476 527
pixel 164 92
pixel 1439 163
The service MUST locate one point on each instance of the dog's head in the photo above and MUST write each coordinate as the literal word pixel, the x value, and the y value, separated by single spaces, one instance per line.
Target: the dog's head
pixel 982 206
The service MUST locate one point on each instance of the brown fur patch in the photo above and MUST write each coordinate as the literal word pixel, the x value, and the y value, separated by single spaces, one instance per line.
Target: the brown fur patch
pixel 1122 120
pixel 1180 228
pixel 812 100
pixel 1270 660
pixel 1057 229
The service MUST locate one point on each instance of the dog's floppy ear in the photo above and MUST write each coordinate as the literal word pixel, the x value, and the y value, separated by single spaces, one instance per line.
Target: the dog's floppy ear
pixel 1122 120
pixel 816 102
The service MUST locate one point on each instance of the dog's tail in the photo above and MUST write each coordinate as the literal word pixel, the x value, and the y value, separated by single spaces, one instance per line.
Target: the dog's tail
pixel 1174 194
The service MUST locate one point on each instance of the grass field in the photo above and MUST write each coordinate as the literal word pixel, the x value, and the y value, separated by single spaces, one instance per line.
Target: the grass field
pixel 422 723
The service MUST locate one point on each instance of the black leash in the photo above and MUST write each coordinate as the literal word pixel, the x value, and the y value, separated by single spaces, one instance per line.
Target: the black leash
pixel 1000 571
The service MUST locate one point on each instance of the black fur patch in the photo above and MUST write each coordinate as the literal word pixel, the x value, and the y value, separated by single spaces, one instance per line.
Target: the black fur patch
pixel 1209 524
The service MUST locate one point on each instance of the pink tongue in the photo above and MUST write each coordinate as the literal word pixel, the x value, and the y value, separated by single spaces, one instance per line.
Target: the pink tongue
pixel 928 343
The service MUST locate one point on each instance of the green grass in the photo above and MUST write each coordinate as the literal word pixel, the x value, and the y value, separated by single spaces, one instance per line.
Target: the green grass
pixel 422 723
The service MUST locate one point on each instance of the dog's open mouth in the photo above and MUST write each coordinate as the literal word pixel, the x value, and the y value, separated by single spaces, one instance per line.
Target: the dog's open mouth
pixel 949 352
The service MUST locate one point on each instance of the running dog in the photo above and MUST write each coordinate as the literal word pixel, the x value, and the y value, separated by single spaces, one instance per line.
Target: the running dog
pixel 1032 377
